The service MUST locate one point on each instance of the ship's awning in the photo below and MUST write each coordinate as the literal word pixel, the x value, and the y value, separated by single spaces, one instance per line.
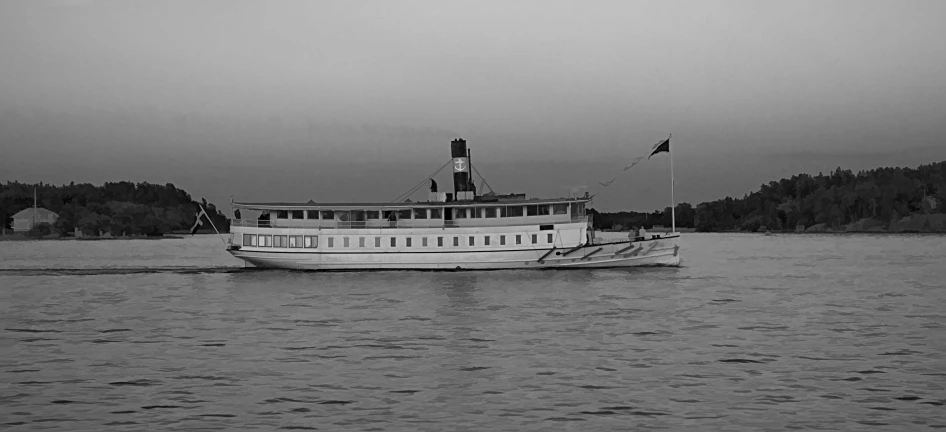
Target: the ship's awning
pixel 402 205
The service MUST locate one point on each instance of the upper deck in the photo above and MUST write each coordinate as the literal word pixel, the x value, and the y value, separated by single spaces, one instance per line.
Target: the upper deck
pixel 432 214
pixel 461 208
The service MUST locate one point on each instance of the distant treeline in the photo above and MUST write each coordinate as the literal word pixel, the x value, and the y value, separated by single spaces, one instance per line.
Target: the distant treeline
pixel 122 208
pixel 626 220
pixel 882 199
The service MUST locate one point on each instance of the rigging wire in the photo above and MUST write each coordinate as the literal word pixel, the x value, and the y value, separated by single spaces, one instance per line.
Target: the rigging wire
pixel 483 179
pixel 414 189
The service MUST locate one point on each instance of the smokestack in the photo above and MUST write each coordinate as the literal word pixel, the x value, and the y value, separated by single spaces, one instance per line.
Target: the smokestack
pixel 461 170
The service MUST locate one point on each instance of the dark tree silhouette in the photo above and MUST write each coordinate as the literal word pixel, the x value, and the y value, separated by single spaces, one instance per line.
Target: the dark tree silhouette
pixel 877 198
pixel 881 195
pixel 119 208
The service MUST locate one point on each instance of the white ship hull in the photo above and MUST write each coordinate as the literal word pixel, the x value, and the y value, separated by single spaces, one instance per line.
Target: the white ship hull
pixel 662 251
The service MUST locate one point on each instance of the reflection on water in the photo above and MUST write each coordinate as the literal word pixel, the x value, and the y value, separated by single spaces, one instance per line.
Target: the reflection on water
pixel 754 333
pixel 459 289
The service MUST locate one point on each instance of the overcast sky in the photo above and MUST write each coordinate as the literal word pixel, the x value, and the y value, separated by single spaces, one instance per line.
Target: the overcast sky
pixel 358 100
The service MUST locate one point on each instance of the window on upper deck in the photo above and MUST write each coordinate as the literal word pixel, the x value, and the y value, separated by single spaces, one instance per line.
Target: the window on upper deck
pixel 372 214
pixel 559 209
pixel 514 211
pixel 490 212
pixel 436 213
pixel 312 214
pixel 358 215
pixel 544 210
pixel 578 209
pixel 404 214
pixel 328 215
pixel 476 212
pixel 532 210
pixel 342 215
pixel 298 214
pixel 420 213
pixel 282 214
pixel 459 213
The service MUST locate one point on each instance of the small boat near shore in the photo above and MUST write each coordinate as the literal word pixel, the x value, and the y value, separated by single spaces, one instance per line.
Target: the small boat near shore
pixel 461 230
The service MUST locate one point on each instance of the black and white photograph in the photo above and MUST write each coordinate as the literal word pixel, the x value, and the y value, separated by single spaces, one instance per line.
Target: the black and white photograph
pixel 418 215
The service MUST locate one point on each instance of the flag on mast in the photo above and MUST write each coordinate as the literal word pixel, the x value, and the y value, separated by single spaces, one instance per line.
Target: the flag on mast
pixel 198 223
pixel 663 146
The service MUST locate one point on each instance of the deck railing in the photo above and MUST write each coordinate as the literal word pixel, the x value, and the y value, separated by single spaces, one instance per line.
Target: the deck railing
pixel 403 223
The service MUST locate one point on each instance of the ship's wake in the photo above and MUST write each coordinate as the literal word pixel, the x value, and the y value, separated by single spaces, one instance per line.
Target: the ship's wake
pixel 85 271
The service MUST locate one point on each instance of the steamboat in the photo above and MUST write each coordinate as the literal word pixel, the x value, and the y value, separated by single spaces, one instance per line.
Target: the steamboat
pixel 450 231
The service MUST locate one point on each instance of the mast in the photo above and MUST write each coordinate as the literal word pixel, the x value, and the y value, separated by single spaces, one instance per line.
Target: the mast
pixel 212 222
pixel 469 159
pixel 673 210
pixel 34 207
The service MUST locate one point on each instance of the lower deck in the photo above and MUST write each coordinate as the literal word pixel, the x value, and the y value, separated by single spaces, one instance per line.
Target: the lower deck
pixel 565 246
pixel 410 240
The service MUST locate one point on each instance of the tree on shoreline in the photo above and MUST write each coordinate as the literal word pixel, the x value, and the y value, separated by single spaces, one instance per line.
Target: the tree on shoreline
pixel 122 208
pixel 873 198
pixel 835 200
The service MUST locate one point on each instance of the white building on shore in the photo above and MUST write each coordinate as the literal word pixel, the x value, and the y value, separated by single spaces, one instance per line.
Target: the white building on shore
pixel 25 220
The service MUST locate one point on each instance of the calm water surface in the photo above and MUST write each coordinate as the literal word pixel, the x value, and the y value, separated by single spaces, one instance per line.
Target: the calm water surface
pixel 754 333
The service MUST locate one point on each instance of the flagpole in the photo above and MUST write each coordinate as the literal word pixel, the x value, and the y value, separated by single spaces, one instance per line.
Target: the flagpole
pixel 212 224
pixel 673 210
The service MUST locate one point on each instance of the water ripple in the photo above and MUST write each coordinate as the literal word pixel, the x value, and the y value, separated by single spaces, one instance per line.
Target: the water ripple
pixel 735 340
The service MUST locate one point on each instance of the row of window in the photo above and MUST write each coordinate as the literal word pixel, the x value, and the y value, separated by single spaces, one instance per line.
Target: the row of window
pixel 434 213
pixel 298 241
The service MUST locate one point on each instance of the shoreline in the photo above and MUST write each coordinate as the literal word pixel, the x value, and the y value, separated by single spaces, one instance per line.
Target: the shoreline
pixel 15 237
pixel 792 232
